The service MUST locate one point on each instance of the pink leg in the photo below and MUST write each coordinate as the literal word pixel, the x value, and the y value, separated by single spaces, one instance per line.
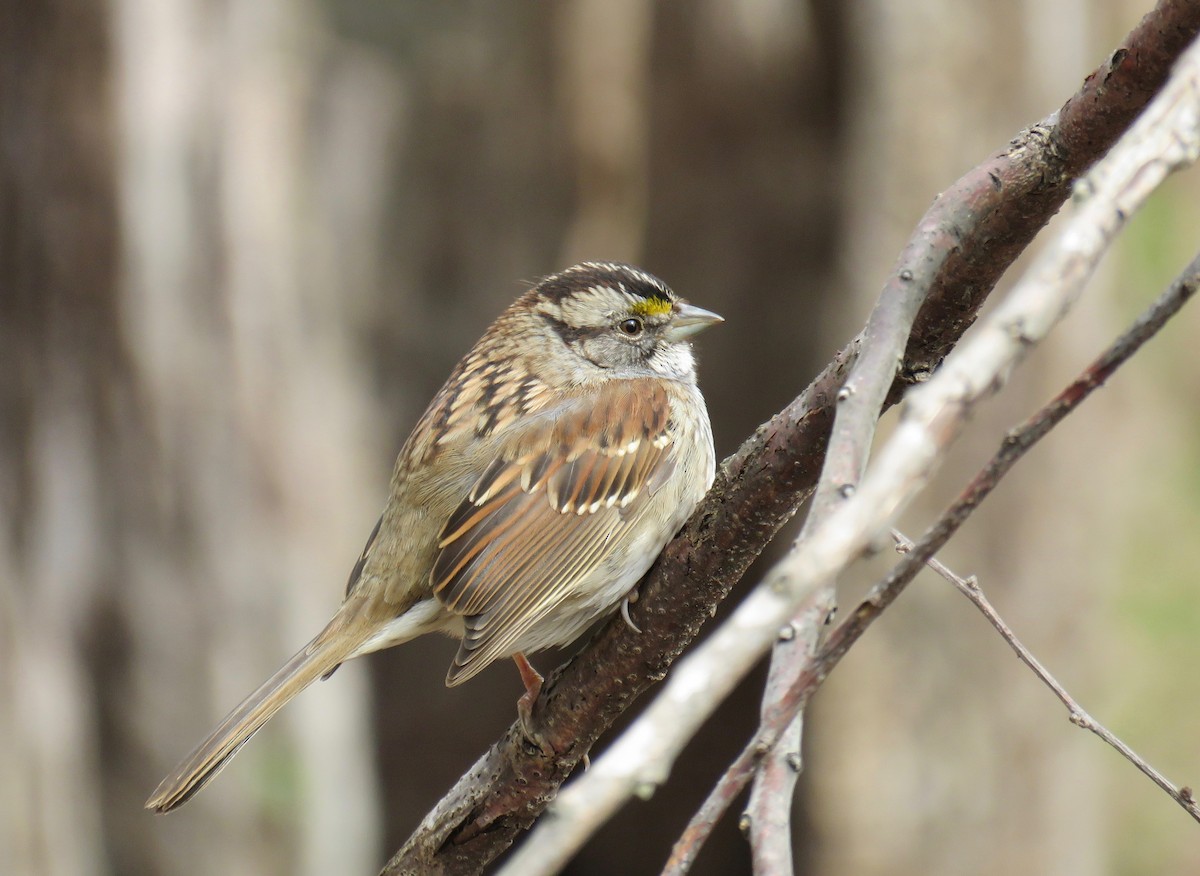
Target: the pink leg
pixel 532 680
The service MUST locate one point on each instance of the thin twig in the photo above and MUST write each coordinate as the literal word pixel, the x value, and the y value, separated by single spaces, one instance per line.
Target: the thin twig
pixel 1078 716
pixel 1016 444
pixel 732 782
pixel 860 402
pixel 1164 139
pixel 767 818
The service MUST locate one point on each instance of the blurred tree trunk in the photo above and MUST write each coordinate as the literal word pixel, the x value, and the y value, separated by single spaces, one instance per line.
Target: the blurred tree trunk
pixel 193 459
pixel 61 377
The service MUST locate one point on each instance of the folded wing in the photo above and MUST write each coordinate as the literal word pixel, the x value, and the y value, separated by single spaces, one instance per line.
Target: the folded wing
pixel 538 523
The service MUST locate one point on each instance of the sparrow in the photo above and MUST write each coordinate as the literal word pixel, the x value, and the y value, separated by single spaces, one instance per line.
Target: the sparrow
pixel 563 452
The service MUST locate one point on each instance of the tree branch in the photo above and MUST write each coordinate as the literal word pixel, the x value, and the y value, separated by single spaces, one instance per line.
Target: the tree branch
pixel 1166 138
pixel 969 587
pixel 1016 444
pixel 768 814
pixel 988 218
pixel 860 401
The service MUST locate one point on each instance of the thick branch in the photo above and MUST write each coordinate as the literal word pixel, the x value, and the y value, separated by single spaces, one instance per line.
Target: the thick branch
pixel 759 488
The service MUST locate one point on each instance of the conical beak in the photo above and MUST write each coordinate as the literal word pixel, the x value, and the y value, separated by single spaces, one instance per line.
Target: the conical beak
pixel 688 320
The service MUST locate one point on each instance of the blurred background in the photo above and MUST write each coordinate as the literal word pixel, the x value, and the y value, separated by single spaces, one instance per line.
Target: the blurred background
pixel 242 242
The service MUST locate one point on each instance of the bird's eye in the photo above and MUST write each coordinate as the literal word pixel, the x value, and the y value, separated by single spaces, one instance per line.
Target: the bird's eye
pixel 631 326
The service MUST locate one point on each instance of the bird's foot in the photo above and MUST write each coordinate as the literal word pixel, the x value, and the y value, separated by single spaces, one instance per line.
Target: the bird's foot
pixel 532 680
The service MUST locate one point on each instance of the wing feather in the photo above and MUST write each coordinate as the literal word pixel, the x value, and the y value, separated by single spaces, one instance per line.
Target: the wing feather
pixel 539 522
pixel 494 634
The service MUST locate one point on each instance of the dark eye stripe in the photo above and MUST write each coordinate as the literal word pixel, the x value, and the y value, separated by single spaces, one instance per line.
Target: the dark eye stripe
pixel 570 334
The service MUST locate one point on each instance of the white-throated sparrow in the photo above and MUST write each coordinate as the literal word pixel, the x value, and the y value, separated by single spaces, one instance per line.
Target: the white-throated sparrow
pixel 564 451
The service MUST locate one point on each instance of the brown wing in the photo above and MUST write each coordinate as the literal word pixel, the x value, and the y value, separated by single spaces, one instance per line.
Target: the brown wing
pixel 538 523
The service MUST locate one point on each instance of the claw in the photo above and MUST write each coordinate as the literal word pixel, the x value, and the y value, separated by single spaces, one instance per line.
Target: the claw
pixel 625 603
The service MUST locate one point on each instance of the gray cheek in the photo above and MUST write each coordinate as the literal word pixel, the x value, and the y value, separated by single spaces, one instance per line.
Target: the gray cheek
pixel 592 350
pixel 608 352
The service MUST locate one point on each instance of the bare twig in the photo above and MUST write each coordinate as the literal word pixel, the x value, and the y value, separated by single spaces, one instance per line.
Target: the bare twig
pixel 768 814
pixel 1164 139
pixel 1016 444
pixel 731 783
pixel 860 401
pixel 767 817
pixel 1077 714
pixel 991 215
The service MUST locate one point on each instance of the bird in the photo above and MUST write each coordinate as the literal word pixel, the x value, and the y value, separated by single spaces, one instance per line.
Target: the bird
pixel 564 451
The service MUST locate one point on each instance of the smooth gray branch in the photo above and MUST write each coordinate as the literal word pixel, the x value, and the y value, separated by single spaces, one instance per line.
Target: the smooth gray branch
pixel 768 814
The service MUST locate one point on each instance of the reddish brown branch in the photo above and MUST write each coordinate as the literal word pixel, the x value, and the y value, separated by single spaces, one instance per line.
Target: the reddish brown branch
pixel 999 206
pixel 969 237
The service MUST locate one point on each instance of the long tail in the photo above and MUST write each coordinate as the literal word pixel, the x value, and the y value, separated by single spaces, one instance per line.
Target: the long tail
pixel 319 657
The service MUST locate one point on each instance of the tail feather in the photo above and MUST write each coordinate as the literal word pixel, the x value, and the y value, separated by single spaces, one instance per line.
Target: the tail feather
pixel 317 659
